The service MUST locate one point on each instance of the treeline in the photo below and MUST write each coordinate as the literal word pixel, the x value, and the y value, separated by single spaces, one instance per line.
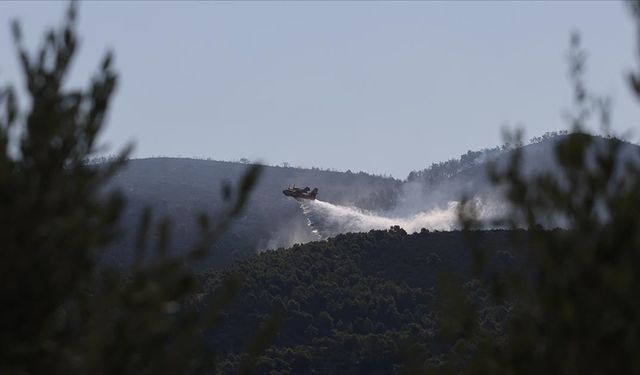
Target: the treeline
pixel 443 170
pixel 440 171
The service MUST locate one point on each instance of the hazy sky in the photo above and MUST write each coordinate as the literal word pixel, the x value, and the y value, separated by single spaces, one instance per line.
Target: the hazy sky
pixel 383 87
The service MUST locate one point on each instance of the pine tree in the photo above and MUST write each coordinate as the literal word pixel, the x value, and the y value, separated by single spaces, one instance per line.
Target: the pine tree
pixel 62 310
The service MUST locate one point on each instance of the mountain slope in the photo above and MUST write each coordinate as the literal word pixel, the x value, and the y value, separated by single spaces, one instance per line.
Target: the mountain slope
pixel 354 303
pixel 443 182
pixel 181 188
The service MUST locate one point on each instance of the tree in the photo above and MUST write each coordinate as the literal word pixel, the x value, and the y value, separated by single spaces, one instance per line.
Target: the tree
pixel 575 307
pixel 63 311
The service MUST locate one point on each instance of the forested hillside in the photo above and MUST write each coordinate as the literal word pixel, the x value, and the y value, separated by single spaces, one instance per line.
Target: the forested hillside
pixel 469 175
pixel 182 188
pixel 356 303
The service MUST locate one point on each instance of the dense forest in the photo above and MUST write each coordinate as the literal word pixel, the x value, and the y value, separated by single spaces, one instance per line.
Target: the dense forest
pixel 362 303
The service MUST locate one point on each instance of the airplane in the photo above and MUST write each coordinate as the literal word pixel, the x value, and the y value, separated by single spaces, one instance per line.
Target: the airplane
pixel 305 193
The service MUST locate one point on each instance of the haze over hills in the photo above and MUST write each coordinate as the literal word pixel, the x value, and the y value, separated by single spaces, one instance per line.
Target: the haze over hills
pixel 182 188
pixel 347 202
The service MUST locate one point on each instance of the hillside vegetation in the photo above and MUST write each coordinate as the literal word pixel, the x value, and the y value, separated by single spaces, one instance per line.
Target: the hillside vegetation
pixel 181 188
pixel 356 303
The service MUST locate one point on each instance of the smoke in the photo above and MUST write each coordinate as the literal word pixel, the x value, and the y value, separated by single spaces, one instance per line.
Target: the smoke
pixel 292 232
pixel 328 219
pixel 434 205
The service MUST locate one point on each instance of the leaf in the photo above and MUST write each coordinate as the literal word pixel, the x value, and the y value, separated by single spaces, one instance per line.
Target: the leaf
pixel 16 32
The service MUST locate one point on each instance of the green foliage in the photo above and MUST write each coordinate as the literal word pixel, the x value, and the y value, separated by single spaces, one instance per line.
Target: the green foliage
pixel 357 303
pixel 576 309
pixel 63 311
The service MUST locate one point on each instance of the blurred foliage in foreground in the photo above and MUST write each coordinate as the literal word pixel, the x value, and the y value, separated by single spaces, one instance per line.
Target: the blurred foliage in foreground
pixel 61 311
pixel 576 310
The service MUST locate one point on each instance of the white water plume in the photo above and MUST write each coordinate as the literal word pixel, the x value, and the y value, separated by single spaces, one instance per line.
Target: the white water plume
pixel 328 219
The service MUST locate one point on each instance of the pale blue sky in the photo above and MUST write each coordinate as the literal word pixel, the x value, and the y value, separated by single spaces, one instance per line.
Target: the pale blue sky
pixel 383 87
